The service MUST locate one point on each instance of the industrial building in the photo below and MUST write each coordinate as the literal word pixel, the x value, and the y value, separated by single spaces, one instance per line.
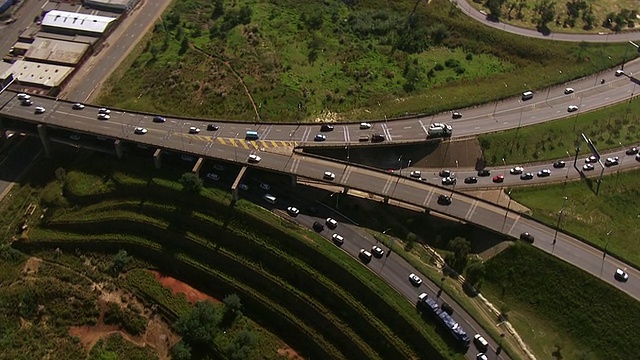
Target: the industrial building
pixel 56 52
pixel 39 75
pixel 111 5
pixel 67 23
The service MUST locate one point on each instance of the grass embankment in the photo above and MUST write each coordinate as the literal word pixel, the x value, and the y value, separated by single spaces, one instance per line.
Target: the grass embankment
pixel 319 299
pixel 561 311
pixel 592 216
pixel 607 128
pixel 303 60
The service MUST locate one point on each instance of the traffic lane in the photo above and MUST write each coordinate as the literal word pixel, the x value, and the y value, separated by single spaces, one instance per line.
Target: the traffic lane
pixel 24 18
pixel 580 255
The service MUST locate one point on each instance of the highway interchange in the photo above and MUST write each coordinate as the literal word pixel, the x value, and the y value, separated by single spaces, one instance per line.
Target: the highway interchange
pixel 590 94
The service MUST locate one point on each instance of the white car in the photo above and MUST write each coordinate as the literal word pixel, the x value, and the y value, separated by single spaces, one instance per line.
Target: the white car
pixel 544 173
pixel 481 356
pixel 587 167
pixel 415 174
pixel 480 342
pixel 254 158
pixel 212 176
pixel 104 116
pixel 621 275
pixel 364 126
pixel 612 161
pixel 194 130
pixel 516 170
pixel 40 110
pixel 415 279
pixel 264 186
pixel 338 239
pixel 78 106
pixel 590 159
pixel 377 251
pixel 329 175
pixel 448 181
pixel 293 211
pixel 104 111
pixel 568 90
pixel 140 131
pixel 331 223
pixel 572 108
pixel 619 72
pixel 23 96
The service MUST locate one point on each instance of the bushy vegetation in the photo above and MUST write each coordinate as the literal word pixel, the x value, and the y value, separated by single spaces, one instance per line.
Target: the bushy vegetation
pixel 296 60
pixel 607 128
pixel 129 320
pixel 576 315
pixel 116 347
pixel 615 209
pixel 297 286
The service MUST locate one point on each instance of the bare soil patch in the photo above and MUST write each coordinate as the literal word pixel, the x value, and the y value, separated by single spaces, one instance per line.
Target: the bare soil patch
pixel 289 353
pixel 31 265
pixel 178 287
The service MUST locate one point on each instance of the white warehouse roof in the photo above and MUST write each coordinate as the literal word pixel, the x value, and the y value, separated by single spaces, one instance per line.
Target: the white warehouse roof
pixel 33 73
pixel 77 21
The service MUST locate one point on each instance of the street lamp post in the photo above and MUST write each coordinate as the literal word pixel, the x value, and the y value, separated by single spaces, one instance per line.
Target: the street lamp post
pixel 619 166
pixel 506 212
pixel 455 180
pixel 555 236
pixel 503 174
pixel 235 148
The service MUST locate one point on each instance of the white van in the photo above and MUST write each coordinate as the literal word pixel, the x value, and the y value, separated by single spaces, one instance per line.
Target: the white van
pixel 270 198
pixel 527 95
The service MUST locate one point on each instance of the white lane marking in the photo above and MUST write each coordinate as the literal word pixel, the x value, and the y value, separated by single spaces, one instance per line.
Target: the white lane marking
pixel 424 128
pixel 427 198
pixel 472 208
pixel 514 224
pixel 346 134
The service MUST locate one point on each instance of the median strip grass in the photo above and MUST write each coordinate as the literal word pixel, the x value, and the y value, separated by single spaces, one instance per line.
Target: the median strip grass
pixel 607 128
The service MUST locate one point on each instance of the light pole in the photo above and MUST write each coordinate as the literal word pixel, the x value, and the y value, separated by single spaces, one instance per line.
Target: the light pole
pixel 499 349
pixel 388 251
pixel 455 180
pixel 506 212
pixel 235 148
pixel 337 193
pixel 503 174
pixel 555 236
pixel 619 166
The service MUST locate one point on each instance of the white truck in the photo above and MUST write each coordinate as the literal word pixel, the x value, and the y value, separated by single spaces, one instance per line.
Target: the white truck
pixel 439 130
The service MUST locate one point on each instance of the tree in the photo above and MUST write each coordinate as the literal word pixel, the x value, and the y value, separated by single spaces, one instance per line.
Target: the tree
pixel 233 303
pixel 181 351
pixel 546 10
pixel 119 261
pixel 411 239
pixel 200 325
pixel 439 32
pixel 191 182
pixel 242 346
pixel 589 19
pixel 476 273
pixel 218 9
pixel 61 175
pixel 244 15
pixel 495 8
pixel 184 45
pixel 461 248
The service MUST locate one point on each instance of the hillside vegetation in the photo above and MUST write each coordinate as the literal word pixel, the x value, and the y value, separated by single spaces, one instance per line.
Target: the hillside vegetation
pixel 563 311
pixel 265 60
pixel 318 299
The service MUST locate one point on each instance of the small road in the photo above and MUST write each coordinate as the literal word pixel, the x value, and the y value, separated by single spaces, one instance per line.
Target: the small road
pixel 470 11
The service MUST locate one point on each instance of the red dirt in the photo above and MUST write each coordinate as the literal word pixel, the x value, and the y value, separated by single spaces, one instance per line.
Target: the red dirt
pixel 289 353
pixel 178 287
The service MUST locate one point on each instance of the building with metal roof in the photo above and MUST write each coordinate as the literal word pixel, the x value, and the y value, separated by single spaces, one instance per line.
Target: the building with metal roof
pixel 89 40
pixel 76 23
pixel 40 75
pixel 111 5
pixel 56 52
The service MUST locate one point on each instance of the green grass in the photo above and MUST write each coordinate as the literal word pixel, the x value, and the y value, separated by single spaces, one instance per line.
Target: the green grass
pixel 607 128
pixel 116 347
pixel 304 60
pixel 591 217
pixel 555 304
pixel 300 275
pixel 601 9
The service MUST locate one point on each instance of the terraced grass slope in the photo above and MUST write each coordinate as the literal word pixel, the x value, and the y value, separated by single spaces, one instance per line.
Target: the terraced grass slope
pixel 318 299
pixel 563 311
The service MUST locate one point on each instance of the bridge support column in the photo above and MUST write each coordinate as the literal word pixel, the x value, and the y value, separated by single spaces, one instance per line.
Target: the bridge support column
pixel 386 200
pixel 294 180
pixel 236 184
pixel 345 190
pixel 157 161
pixel 197 166
pixel 44 138
pixel 118 145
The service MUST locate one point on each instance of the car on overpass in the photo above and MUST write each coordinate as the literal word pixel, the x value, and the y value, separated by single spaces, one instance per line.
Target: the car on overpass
pixel 525 236
pixel 77 106
pixel 140 131
pixel 415 280
pixel 293 211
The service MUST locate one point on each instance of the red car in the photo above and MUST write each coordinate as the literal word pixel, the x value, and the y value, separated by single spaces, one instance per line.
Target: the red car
pixel 498 178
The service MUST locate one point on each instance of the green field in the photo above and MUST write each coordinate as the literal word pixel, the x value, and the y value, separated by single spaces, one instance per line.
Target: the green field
pixel 559 310
pixel 615 209
pixel 585 16
pixel 305 60
pixel 303 288
pixel 608 128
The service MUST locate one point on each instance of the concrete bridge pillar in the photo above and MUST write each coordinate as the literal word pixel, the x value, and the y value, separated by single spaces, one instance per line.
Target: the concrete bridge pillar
pixel 197 166
pixel 345 190
pixel 118 145
pixel 386 200
pixel 44 138
pixel 157 161
pixel 294 180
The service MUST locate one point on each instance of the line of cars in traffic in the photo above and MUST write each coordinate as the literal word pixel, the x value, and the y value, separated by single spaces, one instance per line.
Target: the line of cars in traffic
pixel 325 128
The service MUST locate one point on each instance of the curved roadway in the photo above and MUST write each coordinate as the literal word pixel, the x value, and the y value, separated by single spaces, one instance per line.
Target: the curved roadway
pixel 470 11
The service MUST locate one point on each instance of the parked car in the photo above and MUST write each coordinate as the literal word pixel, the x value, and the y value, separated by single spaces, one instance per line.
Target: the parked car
pixel 75 137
